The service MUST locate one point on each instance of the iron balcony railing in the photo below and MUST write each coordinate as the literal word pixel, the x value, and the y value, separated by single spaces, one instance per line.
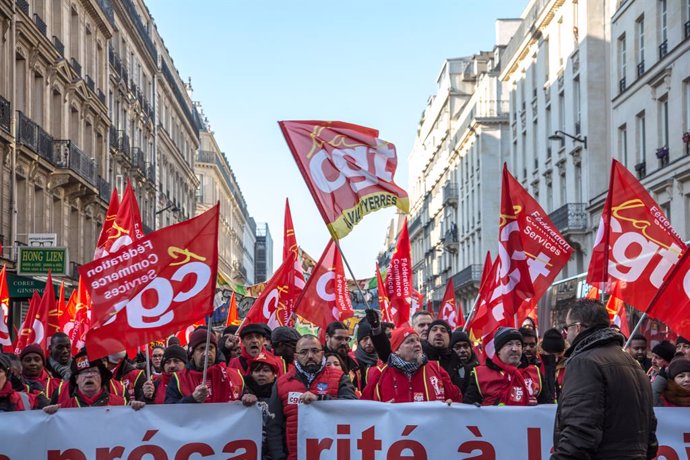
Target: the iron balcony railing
pixel 59 46
pixel 104 188
pixel 107 8
pixel 113 137
pixel 641 169
pixel 101 96
pixel 139 159
pixel 31 135
pixel 640 68
pixel 663 49
pixel 450 194
pixel 76 66
pixel 570 217
pixel 472 274
pixel 23 5
pixel 41 25
pixel 621 85
pixel 141 28
pixel 123 144
pixel 5 114
pixel 414 224
pixel 151 172
pixel 68 155
pixel 90 83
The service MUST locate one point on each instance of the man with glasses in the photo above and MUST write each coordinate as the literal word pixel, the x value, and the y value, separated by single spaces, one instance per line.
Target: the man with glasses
pixel 310 380
pixel 338 341
pixel 605 408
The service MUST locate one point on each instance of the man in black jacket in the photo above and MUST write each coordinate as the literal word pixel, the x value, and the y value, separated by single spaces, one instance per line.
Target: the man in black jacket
pixel 605 409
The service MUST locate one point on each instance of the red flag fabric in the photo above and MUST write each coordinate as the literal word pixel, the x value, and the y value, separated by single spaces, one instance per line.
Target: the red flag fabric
pixel 593 293
pixel 183 335
pixel 110 217
pixel 348 169
pixel 399 279
pixel 153 287
pixel 486 270
pixel 63 314
pixel 296 279
pixel 5 339
pixel 233 317
pixel 125 228
pixel 34 327
pixel 79 310
pixel 326 297
pixel 289 238
pixel 416 302
pixel 616 309
pixel 384 303
pixel 273 306
pixel 531 250
pixel 635 242
pixel 449 310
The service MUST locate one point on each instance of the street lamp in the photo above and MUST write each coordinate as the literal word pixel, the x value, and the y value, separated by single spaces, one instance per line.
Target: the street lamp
pixel 170 206
pixel 559 135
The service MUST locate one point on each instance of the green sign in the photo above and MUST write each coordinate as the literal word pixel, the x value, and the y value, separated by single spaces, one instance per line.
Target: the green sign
pixel 20 287
pixel 38 260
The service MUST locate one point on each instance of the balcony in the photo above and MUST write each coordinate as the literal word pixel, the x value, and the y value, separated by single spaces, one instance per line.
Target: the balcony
pixel 640 68
pixel 34 137
pixel 663 49
pixel 141 28
pixel 90 83
pixel 101 97
pixel 23 5
pixel 113 137
pixel 67 155
pixel 41 25
pixel 414 224
pixel 123 144
pixel 151 173
pixel 621 85
pixel 104 188
pixel 571 217
pixel 59 46
pixel 139 160
pixel 662 153
pixel 687 29
pixel 450 194
pixel 5 114
pixel 450 239
pixel 641 170
pixel 469 276
pixel 76 66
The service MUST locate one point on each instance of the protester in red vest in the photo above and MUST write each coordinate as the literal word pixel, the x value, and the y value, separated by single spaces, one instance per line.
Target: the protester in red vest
pixel 174 360
pixel 309 381
pixel 12 400
pixel 127 381
pixel 505 380
pixel 87 387
pixel 254 338
pixel 222 384
pixel 409 376
pixel 677 392
pixel 35 375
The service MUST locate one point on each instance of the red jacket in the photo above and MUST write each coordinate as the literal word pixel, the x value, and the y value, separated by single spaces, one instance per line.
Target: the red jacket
pixel 12 400
pixel 430 383
pixel 289 388
pixel 244 362
pixel 223 384
pixel 492 385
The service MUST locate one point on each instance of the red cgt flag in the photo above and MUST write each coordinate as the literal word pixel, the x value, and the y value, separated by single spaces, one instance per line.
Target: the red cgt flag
pixel 326 298
pixel 35 324
pixel 616 310
pixel 5 339
pixel 416 302
pixel 183 335
pixel 154 287
pixel 635 242
pixel 348 169
pixel 274 306
pixel 384 303
pixel 125 228
pixel 110 217
pixel 296 279
pixel 399 279
pixel 79 311
pixel 449 310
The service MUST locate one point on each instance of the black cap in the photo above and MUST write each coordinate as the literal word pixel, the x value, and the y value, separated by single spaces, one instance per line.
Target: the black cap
pixel 665 350
pixel 363 330
pixel 258 328
pixel 678 366
pixel 285 334
pixel 440 322
pixel 553 341
pixel 459 336
pixel 174 351
pixel 505 335
pixel 81 362
pixel 230 330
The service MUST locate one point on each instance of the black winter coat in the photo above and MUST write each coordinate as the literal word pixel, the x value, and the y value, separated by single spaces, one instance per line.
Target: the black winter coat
pixel 605 408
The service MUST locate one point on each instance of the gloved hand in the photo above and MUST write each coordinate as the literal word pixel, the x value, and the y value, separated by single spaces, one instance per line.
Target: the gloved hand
pixel 373 318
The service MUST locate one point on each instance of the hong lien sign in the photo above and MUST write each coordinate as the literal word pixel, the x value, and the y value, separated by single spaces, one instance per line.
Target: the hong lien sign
pixel 38 260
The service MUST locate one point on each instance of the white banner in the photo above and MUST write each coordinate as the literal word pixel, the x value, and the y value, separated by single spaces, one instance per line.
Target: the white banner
pixel 156 432
pixel 348 430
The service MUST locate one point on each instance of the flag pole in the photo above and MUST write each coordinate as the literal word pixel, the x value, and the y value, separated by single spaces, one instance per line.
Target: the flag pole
pixel 347 264
pixel 208 342
pixel 634 331
pixel 470 315
pixel 148 363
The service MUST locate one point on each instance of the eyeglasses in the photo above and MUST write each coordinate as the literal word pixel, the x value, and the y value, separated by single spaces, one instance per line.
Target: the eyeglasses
pixel 308 351
pixel 568 326
pixel 89 372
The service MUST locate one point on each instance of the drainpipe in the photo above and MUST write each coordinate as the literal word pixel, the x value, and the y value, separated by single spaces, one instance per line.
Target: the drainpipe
pixel 13 136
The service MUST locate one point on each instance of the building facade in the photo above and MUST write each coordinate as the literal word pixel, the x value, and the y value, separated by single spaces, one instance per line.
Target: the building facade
pixel 263 253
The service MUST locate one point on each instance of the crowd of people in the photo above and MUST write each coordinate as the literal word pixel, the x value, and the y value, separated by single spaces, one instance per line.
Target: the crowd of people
pixel 425 361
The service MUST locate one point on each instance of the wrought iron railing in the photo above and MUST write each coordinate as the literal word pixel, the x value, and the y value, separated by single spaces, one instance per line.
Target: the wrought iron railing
pixel 76 66
pixel 104 188
pixel 5 114
pixel 470 274
pixel 570 217
pixel 68 155
pixel 41 25
pixel 139 159
pixel 141 28
pixel 450 193
pixel 59 46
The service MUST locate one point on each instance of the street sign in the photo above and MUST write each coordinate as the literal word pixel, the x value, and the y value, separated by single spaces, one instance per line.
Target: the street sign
pixel 37 260
pixel 43 239
pixel 20 287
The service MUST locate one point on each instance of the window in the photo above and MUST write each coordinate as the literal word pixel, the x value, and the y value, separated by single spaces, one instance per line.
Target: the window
pixel 663 122
pixel 663 29
pixel 547 119
pixel 641 138
pixel 546 59
pixel 623 143
pixel 561 111
pixel 577 106
pixel 621 63
pixel 686 89
pixel 640 45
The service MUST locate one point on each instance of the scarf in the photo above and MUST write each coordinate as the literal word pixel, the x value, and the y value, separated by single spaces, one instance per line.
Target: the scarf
pixel 41 380
pixel 90 401
pixel 63 371
pixel 676 394
pixel 593 337
pixel 364 358
pixel 260 391
pixel 406 367
pixel 310 376
pixel 515 378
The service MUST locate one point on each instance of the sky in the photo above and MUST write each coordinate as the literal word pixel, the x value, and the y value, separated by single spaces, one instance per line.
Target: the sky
pixel 369 62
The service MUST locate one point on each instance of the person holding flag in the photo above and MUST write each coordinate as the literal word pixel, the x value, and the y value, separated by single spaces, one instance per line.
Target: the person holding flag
pixel 174 360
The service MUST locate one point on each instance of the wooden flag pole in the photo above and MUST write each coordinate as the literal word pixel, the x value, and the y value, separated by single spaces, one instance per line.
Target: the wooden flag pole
pixel 208 342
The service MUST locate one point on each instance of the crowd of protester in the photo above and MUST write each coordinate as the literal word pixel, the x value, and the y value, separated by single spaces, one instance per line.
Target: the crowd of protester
pixel 278 369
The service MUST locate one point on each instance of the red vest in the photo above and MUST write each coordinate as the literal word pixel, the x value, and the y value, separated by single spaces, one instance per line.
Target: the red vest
pixel 224 384
pixel 236 363
pixel 18 399
pixel 427 384
pixel 162 384
pixel 492 384
pixel 289 390
pixel 112 400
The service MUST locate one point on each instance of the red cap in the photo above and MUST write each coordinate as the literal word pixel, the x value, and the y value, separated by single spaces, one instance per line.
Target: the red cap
pixel 399 335
pixel 263 358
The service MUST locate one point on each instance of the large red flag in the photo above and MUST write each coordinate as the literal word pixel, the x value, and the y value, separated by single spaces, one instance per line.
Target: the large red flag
pixel 635 242
pixel 348 169
pixel 183 335
pixel 233 317
pixel 449 310
pixel 273 306
pixel 35 324
pixel 616 310
pixel 79 310
pixel 110 217
pixel 125 228
pixel 384 303
pixel 62 312
pixel 291 250
pixel 154 287
pixel 326 298
pixel 48 300
pixel 399 279
pixel 5 339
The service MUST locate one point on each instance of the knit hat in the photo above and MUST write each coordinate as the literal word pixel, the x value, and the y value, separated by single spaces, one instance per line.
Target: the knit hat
pixel 230 330
pixel 459 336
pixel 682 340
pixel 665 350
pixel 174 351
pixel 81 362
pixel 33 348
pixel 258 328
pixel 678 366
pixel 363 330
pixel 284 334
pixel 263 358
pixel 440 322
pixel 505 335
pixel 199 336
pixel 399 335
pixel 553 341
pixel 5 363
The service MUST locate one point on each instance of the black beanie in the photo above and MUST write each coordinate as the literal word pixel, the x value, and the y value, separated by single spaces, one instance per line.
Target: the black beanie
pixel 665 350
pixel 174 351
pixel 459 336
pixel 678 366
pixel 440 322
pixel 363 330
pixel 230 330
pixel 553 341
pixel 505 335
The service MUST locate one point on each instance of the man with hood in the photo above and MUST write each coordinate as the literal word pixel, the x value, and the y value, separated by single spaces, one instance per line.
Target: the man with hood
pixel 505 379
pixel 254 338
pixel 605 409
pixel 409 375
pixel 59 356
pixel 365 354
pixel 222 383
pixel 310 380
pixel 462 347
